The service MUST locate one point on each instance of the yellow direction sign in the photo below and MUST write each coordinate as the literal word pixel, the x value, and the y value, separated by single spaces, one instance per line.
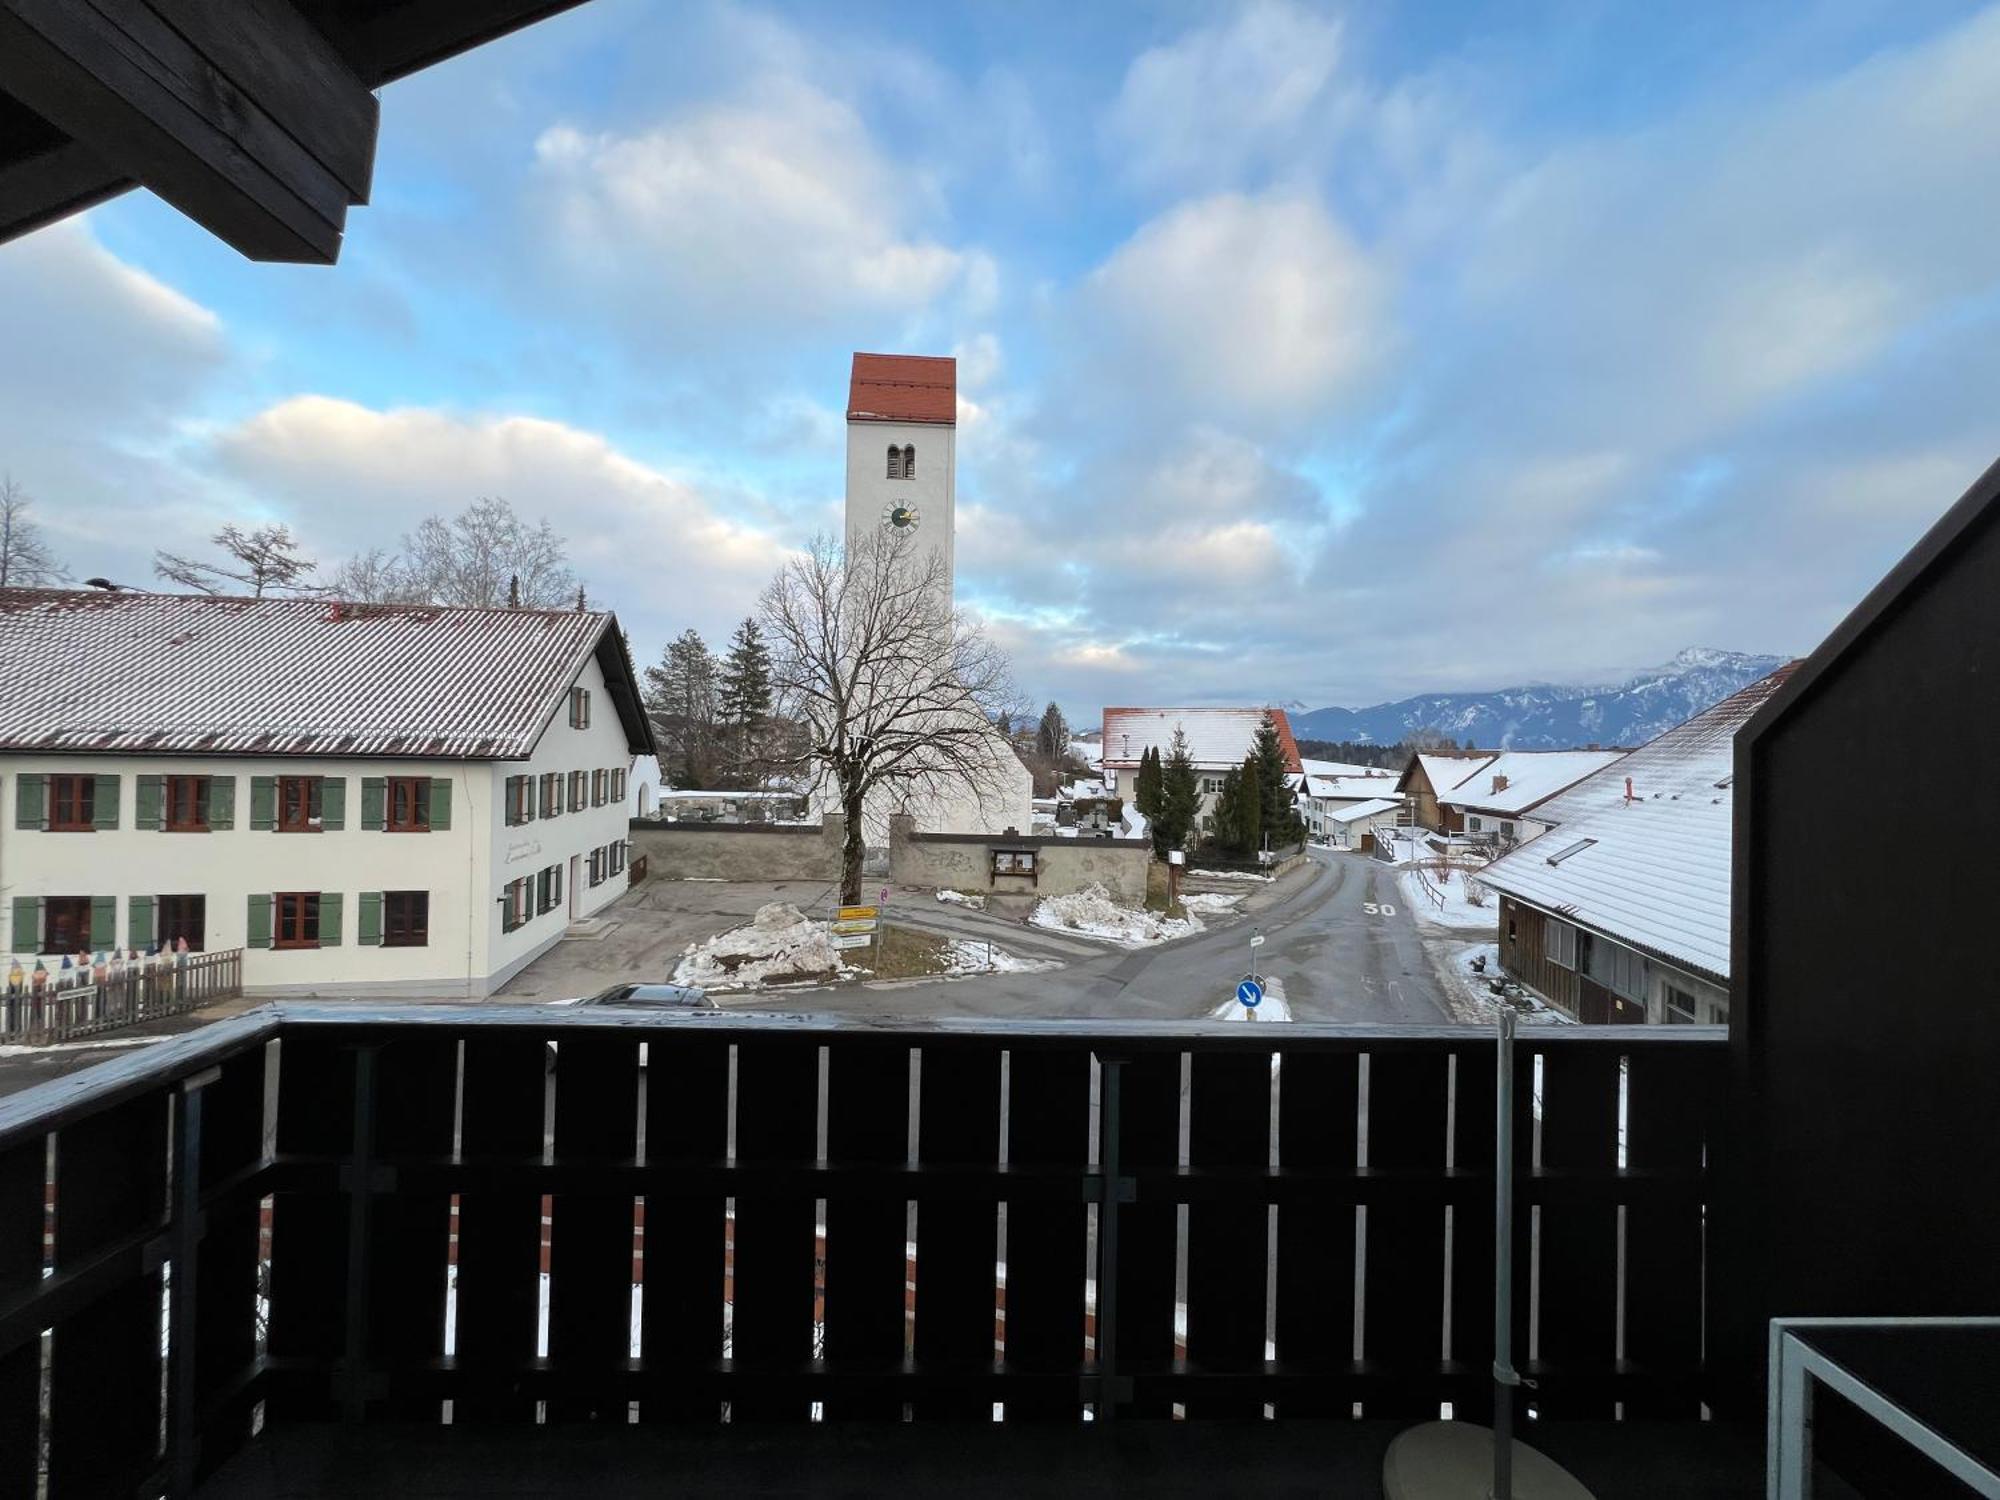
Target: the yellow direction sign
pixel 862 924
pixel 858 913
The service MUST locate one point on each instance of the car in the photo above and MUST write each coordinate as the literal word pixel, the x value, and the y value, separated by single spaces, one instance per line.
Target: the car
pixel 651 997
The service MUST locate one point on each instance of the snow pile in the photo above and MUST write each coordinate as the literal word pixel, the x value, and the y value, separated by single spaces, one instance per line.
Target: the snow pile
pixel 1273 1007
pixel 1211 901
pixel 1091 912
pixel 969 956
pixel 1231 875
pixel 960 898
pixel 1474 971
pixel 1457 887
pixel 780 943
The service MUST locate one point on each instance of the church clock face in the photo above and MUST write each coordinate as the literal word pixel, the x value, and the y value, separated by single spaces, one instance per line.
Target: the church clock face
pixel 901 517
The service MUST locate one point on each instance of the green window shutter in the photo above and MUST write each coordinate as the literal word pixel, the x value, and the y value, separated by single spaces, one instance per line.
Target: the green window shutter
pixel 31 801
pixel 139 922
pixel 105 812
pixel 333 803
pixel 368 918
pixel 440 804
pixel 27 922
pixel 329 919
pixel 221 802
pixel 103 922
pixel 374 802
pixel 149 806
pixel 264 814
pixel 258 934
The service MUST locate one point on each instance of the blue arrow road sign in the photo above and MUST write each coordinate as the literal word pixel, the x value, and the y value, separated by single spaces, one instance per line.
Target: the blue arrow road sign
pixel 1250 991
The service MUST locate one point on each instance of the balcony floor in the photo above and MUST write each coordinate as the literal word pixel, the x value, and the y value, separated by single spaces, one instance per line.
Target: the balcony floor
pixel 1630 1461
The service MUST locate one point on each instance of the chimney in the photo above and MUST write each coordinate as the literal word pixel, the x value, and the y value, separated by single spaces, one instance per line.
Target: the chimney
pixel 1629 795
pixel 1499 781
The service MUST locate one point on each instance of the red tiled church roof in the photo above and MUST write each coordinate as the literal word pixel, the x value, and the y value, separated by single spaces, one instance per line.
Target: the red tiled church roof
pixel 903 388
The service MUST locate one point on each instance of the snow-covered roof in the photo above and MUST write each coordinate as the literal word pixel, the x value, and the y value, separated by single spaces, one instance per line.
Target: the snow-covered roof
pixel 1515 780
pixel 193 674
pixel 1374 807
pixel 1334 788
pixel 1445 770
pixel 1654 873
pixel 1217 738
pixel 1340 768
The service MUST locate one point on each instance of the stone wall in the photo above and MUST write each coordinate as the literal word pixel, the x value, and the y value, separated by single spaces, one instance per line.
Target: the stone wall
pixel 738 851
pixel 964 862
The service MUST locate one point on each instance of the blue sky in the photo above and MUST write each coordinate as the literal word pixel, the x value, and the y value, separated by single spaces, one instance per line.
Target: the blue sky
pixel 1309 354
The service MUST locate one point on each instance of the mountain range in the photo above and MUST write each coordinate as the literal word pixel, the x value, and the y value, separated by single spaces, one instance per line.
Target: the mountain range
pixel 1551 717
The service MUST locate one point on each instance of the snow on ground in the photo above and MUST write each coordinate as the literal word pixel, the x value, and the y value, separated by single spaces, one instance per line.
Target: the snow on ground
pixel 1091 913
pixel 1472 993
pixel 1273 1007
pixel 1211 901
pixel 780 942
pixel 1231 875
pixel 1458 909
pixel 973 956
pixel 961 898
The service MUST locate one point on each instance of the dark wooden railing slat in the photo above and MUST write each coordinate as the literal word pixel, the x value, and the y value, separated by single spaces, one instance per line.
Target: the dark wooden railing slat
pixel 1149 1138
pixel 1671 1098
pixel 684 1267
pixel 1403 1308
pixel 868 1120
pixel 410 1231
pixel 1229 1100
pixel 1317 1127
pixel 590 1266
pixel 23 1183
pixel 1048 1124
pixel 500 1230
pixel 1578 1271
pixel 777 1106
pixel 958 1126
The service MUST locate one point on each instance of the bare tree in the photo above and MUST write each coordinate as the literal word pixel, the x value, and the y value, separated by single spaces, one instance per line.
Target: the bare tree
pixel 471 558
pixel 264 559
pixel 895 690
pixel 25 559
pixel 373 577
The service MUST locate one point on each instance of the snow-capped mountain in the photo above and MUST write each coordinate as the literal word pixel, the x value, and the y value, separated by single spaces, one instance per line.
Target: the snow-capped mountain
pixel 1550 717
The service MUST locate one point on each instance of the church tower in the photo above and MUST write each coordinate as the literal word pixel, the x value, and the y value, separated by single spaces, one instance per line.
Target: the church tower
pixel 902 432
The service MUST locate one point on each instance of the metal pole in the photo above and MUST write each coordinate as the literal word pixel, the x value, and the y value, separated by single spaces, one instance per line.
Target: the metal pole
pixel 1505 1377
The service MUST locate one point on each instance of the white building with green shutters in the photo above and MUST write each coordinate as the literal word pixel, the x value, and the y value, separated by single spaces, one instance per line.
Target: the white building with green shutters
pixel 379 800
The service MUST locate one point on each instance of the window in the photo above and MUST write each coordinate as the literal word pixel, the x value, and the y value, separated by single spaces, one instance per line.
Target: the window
pixel 1618 968
pixel 578 786
pixel 514 905
pixel 519 808
pixel 1210 785
pixel 1472 825
pixel 909 461
pixel 406 919
pixel 1561 944
pixel 599 780
pixel 297 918
pixel 551 798
pixel 72 809
pixel 579 708
pixel 66 920
pixel 182 919
pixel 1577 848
pixel 617 784
pixel 299 810
pixel 1013 861
pixel 617 852
pixel 549 889
pixel 409 804
pixel 1681 1009
pixel 187 805
pixel 596 864
pixel 1507 832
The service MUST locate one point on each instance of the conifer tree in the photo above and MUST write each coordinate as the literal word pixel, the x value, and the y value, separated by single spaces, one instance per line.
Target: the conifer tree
pixel 1276 812
pixel 744 699
pixel 1180 795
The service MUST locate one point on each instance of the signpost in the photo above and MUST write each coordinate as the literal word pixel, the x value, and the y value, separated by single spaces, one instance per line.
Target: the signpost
pixel 1250 990
pixel 853 939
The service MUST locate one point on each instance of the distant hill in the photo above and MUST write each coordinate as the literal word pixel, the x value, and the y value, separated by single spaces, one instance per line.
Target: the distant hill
pixel 1549 717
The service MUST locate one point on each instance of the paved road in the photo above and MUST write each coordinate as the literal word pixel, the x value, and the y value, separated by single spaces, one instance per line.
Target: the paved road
pixel 1335 960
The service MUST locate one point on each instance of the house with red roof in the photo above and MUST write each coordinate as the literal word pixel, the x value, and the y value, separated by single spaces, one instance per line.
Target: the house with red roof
pixel 1217 739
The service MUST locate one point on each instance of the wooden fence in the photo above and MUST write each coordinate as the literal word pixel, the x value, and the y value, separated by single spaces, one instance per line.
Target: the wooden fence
pixel 118 994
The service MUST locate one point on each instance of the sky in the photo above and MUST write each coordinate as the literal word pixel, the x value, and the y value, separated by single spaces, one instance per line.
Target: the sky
pixel 1307 354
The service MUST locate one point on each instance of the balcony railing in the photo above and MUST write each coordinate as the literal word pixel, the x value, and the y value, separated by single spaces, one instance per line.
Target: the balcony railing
pixel 418 1215
pixel 109 993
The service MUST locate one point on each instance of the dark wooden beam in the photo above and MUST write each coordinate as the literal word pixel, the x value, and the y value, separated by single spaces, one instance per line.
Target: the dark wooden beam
pixel 52 184
pixel 384 42
pixel 244 117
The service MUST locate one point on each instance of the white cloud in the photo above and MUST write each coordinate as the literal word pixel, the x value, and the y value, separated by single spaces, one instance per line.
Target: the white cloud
pixel 647 544
pixel 1225 102
pixel 773 212
pixel 1254 310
